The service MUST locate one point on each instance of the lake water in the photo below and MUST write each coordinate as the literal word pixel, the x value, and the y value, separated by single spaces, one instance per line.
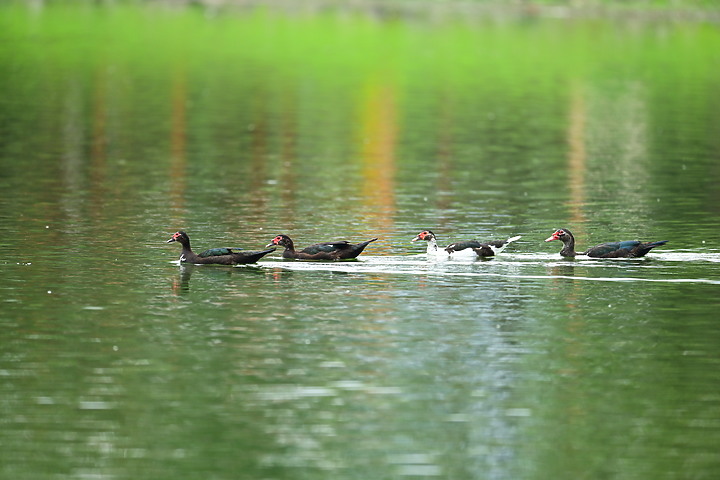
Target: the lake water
pixel 121 125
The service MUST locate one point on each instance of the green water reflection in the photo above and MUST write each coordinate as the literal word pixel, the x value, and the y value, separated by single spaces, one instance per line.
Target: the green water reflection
pixel 120 125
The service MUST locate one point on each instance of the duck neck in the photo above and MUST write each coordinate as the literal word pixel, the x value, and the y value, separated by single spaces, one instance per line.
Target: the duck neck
pixel 568 249
pixel 186 254
pixel 432 247
pixel 289 246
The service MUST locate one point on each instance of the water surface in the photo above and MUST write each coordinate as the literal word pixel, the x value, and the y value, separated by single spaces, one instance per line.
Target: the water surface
pixel 121 125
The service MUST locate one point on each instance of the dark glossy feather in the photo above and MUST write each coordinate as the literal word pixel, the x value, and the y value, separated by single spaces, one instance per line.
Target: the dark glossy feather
pixel 500 243
pixel 463 244
pixel 327 247
pixel 216 252
pixel 627 248
pixel 610 247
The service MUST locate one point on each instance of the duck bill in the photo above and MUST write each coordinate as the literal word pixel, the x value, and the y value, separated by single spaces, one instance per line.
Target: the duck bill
pixel 416 239
pixel 171 240
pixel 271 244
pixel 551 238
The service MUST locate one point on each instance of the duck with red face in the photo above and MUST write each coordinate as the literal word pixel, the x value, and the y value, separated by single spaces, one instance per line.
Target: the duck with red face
pixel 217 256
pixel 624 249
pixel 338 250
pixel 472 248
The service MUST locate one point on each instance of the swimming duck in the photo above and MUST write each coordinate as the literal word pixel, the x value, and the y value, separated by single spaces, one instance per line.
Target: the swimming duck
pixel 627 248
pixel 338 250
pixel 471 247
pixel 219 256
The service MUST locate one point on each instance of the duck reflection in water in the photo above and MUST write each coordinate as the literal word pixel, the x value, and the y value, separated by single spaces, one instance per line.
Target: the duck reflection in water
pixel 181 283
pixel 566 269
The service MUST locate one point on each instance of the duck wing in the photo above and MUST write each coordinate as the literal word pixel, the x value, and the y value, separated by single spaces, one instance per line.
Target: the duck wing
pixel 462 245
pixel 217 252
pixel 613 249
pixel 326 247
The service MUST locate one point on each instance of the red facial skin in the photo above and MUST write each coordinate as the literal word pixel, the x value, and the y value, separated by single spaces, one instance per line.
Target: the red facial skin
pixel 555 236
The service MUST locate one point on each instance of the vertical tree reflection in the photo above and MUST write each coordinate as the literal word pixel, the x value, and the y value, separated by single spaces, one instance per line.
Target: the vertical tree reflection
pixel 379 124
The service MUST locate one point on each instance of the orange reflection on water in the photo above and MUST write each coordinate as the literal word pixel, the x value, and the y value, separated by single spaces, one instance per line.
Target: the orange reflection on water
pixel 574 327
pixel 577 158
pixel 379 124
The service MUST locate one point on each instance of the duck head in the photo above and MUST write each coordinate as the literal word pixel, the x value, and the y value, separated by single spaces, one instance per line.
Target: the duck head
pixel 426 235
pixel 180 236
pixel 562 234
pixel 280 240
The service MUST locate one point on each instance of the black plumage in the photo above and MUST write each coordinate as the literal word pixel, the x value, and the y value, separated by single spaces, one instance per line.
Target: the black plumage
pixel 624 249
pixel 338 250
pixel 218 256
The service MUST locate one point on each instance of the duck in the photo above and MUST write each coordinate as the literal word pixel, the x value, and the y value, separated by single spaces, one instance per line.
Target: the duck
pixel 338 250
pixel 625 249
pixel 473 247
pixel 219 256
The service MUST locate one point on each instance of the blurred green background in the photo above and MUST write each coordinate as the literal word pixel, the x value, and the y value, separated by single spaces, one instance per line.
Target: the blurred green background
pixel 122 122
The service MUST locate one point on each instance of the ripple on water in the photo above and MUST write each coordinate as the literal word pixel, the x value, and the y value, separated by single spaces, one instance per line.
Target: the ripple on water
pixel 661 268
